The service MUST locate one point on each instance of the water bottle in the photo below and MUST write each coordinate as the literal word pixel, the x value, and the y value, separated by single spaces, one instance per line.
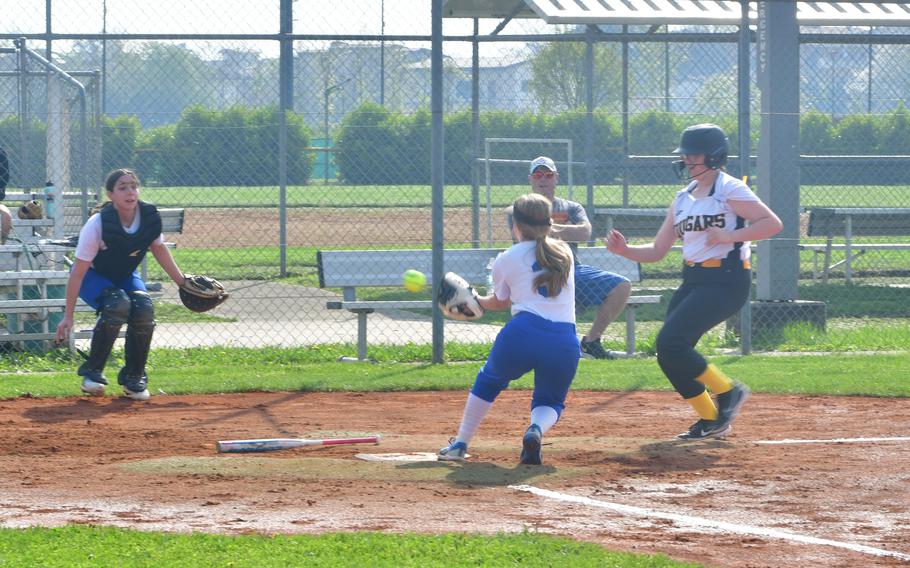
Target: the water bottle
pixel 50 196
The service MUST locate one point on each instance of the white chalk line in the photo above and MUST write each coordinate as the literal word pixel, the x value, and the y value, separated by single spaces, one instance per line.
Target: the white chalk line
pixel 837 441
pixel 707 523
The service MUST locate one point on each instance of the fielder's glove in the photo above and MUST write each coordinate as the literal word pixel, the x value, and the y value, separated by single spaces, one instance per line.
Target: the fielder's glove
pixel 457 299
pixel 201 293
pixel 31 210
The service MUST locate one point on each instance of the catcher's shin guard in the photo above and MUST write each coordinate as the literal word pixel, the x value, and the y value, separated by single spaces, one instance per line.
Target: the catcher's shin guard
pixel 140 327
pixel 115 309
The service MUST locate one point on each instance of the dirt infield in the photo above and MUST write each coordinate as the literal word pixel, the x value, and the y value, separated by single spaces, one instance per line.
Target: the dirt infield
pixel 613 474
pixel 331 227
pixel 336 227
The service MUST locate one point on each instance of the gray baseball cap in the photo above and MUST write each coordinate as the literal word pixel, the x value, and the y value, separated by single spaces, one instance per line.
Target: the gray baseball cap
pixel 543 161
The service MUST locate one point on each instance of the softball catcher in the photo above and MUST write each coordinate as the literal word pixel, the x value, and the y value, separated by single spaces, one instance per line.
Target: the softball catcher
pixel 109 250
pixel 709 215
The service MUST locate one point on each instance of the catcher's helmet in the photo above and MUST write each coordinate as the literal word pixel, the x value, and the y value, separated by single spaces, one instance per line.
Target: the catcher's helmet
pixel 707 139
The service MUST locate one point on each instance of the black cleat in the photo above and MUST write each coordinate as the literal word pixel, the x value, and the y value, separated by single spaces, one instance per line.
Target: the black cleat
pixel 730 403
pixel 706 429
pixel 595 350
pixel 530 446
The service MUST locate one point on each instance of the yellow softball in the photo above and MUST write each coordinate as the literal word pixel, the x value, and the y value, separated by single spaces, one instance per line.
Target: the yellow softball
pixel 414 280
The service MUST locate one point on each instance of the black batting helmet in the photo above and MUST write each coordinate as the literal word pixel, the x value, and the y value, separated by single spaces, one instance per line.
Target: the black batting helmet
pixel 707 139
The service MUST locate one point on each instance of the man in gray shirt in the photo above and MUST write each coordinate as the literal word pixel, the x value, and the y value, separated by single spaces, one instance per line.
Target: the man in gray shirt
pixel 593 287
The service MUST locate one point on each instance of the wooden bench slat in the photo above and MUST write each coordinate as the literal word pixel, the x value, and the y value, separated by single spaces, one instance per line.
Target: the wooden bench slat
pixel 33 275
pixel 631 222
pixel 427 304
pixel 37 303
pixel 354 268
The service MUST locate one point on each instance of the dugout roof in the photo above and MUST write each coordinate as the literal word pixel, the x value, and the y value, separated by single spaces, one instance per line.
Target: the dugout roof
pixel 679 12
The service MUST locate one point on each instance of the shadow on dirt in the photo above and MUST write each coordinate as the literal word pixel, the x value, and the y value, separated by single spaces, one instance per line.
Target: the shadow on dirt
pixel 480 473
pixel 672 455
pixel 82 409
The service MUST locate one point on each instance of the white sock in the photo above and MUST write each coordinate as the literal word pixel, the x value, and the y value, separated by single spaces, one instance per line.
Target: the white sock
pixel 545 417
pixel 475 410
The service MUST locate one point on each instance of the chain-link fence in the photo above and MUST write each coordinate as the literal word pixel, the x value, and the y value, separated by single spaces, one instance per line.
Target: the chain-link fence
pixel 190 95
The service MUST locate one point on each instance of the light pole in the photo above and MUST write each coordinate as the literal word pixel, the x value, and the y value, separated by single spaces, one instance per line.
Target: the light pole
pixel 325 111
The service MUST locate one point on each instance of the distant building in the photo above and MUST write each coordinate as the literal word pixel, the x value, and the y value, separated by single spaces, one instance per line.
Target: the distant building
pixel 350 72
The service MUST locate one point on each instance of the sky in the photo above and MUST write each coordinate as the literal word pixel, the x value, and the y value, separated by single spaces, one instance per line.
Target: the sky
pixel 401 17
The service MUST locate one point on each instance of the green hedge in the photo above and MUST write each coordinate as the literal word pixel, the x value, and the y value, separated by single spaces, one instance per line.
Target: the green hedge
pixel 36 138
pixel 118 140
pixel 234 146
pixel 376 145
pixel 239 146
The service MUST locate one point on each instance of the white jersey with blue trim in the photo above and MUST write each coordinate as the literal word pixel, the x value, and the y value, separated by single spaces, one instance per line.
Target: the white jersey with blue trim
pixel 692 216
pixel 513 279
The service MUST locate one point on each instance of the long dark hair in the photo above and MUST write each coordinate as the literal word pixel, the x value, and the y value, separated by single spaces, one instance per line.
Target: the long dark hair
pixel 111 179
pixel 531 214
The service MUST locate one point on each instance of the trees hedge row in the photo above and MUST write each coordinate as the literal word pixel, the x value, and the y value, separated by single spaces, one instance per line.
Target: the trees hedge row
pixel 376 145
pixel 239 146
pixel 234 146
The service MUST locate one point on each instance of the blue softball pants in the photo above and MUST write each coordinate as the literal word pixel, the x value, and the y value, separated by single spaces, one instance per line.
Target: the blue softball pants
pixel 526 343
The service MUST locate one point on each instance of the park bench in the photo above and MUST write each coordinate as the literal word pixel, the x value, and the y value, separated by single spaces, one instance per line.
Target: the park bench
pixel 353 269
pixel 831 222
pixel 631 222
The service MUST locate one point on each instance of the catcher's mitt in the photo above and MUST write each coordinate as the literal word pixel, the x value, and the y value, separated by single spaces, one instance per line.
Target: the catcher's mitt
pixel 457 298
pixel 31 210
pixel 201 293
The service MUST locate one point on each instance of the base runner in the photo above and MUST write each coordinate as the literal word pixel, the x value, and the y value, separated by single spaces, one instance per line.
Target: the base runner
pixel 709 215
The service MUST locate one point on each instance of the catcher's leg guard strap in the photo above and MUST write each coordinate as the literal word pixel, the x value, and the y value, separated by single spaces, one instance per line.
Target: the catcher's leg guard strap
pixel 114 311
pixel 139 331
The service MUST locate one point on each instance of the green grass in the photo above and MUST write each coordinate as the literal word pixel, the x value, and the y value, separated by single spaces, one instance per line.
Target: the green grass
pixel 205 370
pixel 249 263
pixel 501 195
pixel 87 546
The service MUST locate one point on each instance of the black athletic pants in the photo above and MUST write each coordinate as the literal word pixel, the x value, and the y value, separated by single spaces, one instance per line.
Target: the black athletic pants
pixel 707 297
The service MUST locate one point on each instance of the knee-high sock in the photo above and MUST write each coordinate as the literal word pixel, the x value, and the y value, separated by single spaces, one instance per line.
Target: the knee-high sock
pixel 475 410
pixel 545 417
pixel 704 406
pixel 715 379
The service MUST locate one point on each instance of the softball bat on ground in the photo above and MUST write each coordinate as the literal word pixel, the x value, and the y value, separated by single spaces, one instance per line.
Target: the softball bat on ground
pixel 275 444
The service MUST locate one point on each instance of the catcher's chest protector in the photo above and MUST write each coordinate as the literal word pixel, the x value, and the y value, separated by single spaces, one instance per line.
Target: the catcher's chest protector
pixel 125 252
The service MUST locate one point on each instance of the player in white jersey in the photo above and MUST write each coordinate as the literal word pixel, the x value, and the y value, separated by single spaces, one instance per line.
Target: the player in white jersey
pixel 606 291
pixel 535 277
pixel 709 215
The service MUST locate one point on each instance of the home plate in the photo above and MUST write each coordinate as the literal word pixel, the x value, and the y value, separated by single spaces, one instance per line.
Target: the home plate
pixel 412 457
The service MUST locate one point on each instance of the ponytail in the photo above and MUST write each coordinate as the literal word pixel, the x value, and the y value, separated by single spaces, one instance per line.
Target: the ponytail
pixel 555 257
pixel 531 213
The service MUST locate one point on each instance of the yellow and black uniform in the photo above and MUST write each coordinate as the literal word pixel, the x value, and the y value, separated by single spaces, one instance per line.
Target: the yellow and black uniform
pixel 716 283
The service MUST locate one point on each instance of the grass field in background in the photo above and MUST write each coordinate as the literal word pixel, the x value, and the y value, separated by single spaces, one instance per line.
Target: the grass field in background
pixel 501 195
